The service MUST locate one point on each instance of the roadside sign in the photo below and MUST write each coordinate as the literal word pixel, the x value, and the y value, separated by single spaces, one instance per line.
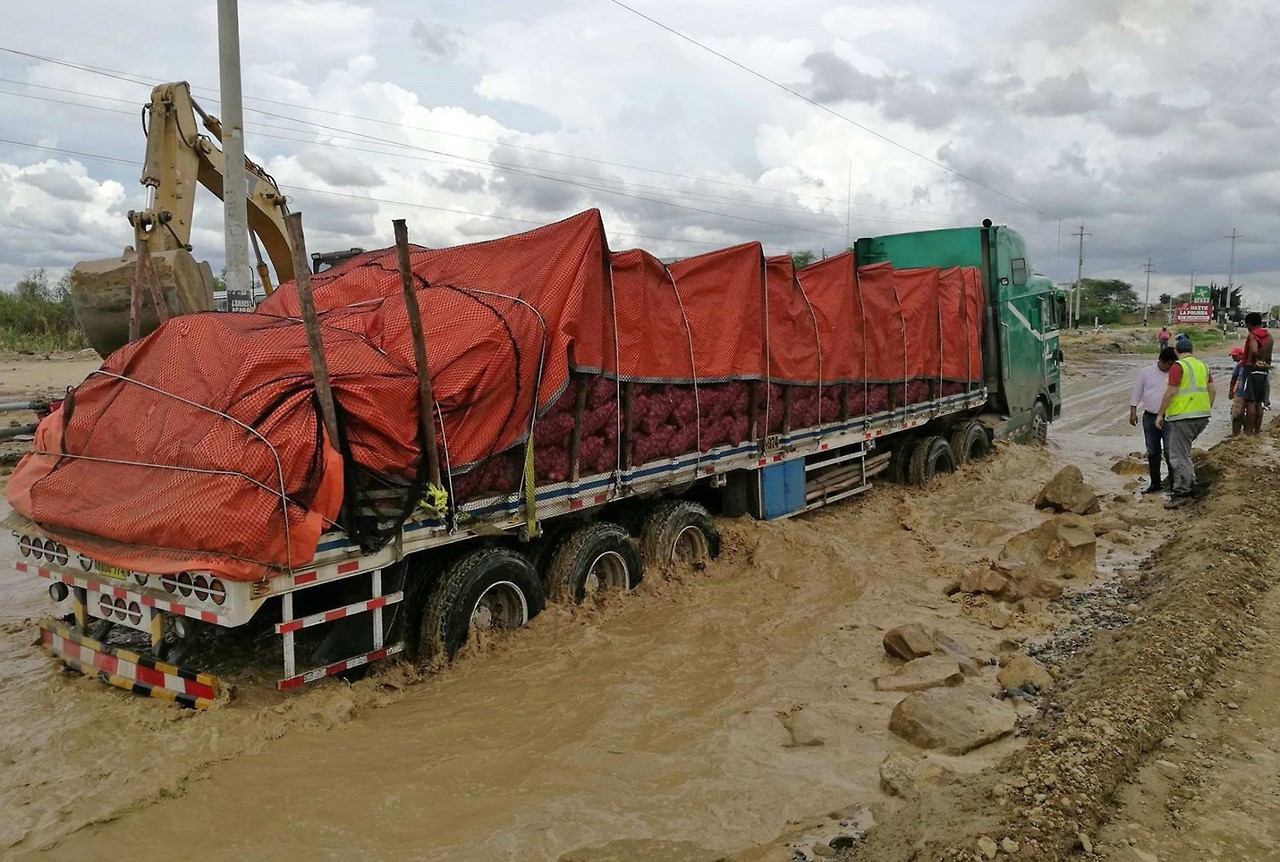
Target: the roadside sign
pixel 1194 312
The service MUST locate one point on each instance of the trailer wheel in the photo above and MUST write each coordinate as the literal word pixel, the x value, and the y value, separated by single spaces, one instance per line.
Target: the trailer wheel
pixel 679 531
pixel 487 589
pixel 1039 431
pixel 969 442
pixel 931 456
pixel 596 557
pixel 900 452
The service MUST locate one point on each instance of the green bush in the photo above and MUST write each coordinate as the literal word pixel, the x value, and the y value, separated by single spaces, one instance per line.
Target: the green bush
pixel 36 317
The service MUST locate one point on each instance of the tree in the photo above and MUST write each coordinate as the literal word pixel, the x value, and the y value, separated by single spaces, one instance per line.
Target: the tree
pixel 1106 300
pixel 802 258
pixel 1165 298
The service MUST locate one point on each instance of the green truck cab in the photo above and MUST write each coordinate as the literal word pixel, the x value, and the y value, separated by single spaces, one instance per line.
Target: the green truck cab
pixel 1023 311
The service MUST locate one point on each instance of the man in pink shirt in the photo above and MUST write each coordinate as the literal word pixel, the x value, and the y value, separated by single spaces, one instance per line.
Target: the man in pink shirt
pixel 1148 390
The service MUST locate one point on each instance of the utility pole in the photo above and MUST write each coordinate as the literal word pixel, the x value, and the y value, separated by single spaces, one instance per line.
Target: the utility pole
pixel 1231 267
pixel 848 210
pixel 234 189
pixel 1079 273
pixel 1146 303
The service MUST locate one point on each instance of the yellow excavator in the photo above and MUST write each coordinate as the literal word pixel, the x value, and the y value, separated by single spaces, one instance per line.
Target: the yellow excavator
pixel 159 266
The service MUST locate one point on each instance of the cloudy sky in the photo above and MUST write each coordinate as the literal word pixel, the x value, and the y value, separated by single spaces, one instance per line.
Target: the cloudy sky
pixel 1152 122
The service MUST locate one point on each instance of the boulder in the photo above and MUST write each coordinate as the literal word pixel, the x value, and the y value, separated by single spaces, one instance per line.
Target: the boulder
pixel 1067 492
pixel 931 671
pixel 952 720
pixel 803 730
pixel 1022 669
pixel 908 642
pixel 984 581
pixel 957 651
pixel 1063 545
pixel 1130 466
pixel 908 777
pixel 1109 524
pixel 1037 588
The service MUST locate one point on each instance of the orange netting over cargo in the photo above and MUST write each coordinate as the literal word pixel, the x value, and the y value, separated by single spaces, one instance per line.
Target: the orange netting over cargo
pixel 199 447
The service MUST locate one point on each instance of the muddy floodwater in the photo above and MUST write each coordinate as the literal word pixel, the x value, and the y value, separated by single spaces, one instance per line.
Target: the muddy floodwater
pixel 662 715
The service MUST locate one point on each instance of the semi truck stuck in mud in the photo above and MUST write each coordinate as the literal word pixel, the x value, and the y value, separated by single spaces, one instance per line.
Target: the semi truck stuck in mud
pixel 593 411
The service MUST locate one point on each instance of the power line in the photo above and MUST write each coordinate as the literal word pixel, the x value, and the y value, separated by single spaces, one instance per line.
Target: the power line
pixel 127 77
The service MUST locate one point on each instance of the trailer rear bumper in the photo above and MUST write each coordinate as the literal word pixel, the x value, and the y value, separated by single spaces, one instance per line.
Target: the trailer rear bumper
pixel 128 670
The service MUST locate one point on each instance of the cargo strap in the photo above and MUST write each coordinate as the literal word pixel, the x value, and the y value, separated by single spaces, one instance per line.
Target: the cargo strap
pixel 530 494
pixel 436 501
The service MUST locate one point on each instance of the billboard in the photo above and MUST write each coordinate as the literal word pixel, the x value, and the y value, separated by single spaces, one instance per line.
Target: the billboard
pixel 1194 312
pixel 1200 293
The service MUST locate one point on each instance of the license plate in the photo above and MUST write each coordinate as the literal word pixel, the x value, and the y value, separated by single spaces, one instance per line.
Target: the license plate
pixel 112 572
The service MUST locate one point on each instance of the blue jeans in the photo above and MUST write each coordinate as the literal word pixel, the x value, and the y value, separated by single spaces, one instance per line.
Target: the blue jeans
pixel 1157 446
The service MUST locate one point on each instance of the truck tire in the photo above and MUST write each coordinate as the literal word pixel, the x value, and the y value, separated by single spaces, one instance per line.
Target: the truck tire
pixel 969 442
pixel 488 588
pixel 1038 433
pixel 900 450
pixel 931 456
pixel 595 557
pixel 679 531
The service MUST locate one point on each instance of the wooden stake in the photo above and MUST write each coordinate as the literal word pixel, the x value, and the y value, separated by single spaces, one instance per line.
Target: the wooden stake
pixel 135 293
pixel 426 402
pixel 315 344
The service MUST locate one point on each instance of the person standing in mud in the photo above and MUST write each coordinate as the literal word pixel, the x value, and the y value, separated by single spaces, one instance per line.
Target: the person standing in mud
pixel 1234 392
pixel 1148 392
pixel 1185 409
pixel 1163 337
pixel 1255 374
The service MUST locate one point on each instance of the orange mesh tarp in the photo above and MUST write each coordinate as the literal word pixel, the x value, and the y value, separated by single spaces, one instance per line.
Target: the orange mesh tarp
pixel 213 498
pixel 793 334
pixel 955 328
pixel 885 335
pixel 655 341
pixel 974 305
pixel 723 295
pixel 917 291
pixel 832 292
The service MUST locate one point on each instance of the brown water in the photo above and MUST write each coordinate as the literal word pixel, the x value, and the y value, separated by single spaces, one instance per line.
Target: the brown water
pixel 656 716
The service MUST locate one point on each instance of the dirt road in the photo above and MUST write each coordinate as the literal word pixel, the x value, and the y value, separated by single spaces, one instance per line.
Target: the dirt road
pixel 659 725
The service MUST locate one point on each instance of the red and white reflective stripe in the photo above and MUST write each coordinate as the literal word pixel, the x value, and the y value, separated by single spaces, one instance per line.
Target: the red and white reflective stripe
pixel 121 593
pixel 338 667
pixel 338 613
pixel 576 503
pixel 325 573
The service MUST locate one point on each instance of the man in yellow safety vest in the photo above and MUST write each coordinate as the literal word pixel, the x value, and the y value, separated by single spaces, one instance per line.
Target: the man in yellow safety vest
pixel 1187 401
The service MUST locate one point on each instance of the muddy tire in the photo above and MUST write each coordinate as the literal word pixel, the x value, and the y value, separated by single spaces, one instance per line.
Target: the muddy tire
pixel 1038 433
pixel 969 442
pixel 488 588
pixel 899 471
pixel 931 456
pixel 679 532
pixel 596 557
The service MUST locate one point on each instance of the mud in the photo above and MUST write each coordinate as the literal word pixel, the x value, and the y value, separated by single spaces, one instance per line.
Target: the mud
pixel 660 722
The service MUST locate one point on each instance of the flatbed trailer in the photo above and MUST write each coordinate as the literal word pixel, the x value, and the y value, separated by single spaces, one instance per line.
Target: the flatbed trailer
pixel 439 579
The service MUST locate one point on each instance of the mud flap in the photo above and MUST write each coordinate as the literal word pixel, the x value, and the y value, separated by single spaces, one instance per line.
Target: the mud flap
pixel 128 670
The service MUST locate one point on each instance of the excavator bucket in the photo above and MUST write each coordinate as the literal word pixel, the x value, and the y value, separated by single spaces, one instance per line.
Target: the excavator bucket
pixel 101 291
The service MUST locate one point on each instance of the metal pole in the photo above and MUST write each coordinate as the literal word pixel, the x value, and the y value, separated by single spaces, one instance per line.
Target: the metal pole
pixel 1231 267
pixel 315 344
pixel 1080 273
pixel 426 401
pixel 234 190
pixel 1146 303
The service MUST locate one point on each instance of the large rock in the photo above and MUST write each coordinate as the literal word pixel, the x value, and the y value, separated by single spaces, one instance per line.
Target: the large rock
pixel 1067 492
pixel 907 777
pixel 1063 545
pixel 984 581
pixel 908 642
pixel 1130 465
pixel 931 671
pixel 952 720
pixel 1021 670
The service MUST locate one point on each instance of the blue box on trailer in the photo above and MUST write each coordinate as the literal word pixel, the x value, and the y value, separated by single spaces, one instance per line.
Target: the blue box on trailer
pixel 781 489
